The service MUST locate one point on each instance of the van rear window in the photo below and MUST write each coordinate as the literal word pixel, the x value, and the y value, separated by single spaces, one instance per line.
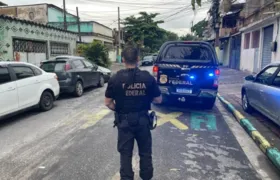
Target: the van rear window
pixel 188 53
pixel 53 66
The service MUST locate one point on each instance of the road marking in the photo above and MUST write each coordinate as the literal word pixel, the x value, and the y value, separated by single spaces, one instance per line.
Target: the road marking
pixel 92 119
pixel 172 118
pixel 197 118
pixel 68 119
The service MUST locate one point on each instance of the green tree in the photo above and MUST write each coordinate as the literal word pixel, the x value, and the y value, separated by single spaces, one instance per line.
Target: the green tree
pixel 96 52
pixel 189 37
pixel 143 31
pixel 170 36
pixel 194 2
pixel 199 27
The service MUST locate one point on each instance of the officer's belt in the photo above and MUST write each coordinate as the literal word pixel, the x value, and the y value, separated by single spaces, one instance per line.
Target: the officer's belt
pixel 126 115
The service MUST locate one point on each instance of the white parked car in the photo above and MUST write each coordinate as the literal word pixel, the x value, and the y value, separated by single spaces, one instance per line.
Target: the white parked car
pixel 23 85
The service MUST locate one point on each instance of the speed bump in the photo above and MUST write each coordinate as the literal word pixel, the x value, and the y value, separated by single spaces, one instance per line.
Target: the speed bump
pixel 271 152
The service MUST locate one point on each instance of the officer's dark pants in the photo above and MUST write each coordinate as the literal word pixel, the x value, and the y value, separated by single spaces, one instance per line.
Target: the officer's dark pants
pixel 126 136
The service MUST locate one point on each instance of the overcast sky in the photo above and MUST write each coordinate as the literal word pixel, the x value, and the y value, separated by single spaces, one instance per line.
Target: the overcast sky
pixel 177 14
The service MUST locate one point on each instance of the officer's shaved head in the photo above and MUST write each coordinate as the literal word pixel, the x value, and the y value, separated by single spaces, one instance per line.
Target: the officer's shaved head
pixel 130 55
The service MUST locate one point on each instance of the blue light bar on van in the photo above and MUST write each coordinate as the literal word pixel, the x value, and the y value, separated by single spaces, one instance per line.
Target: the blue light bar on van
pixel 192 77
pixel 211 74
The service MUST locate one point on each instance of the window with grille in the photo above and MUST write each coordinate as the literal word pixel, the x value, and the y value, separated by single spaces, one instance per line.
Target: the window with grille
pixel 59 48
pixel 22 45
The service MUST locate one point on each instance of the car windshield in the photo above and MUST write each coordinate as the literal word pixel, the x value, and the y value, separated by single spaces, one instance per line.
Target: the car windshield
pixel 53 66
pixel 188 53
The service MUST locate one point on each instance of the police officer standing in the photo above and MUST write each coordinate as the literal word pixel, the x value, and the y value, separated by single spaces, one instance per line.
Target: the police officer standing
pixel 130 93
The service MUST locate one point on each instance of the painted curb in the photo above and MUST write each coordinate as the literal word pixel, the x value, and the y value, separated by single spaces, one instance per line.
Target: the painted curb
pixel 271 152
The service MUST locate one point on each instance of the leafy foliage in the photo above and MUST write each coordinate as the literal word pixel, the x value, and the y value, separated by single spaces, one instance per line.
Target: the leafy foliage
pixel 143 32
pixel 95 52
pixel 194 2
pixel 199 27
pixel 189 37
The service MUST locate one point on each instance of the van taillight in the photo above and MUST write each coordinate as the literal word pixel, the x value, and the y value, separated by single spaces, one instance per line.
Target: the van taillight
pixel 217 72
pixel 67 67
pixel 155 71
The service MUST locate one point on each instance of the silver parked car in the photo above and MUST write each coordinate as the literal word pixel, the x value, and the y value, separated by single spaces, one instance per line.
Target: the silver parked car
pixel 147 60
pixel 262 92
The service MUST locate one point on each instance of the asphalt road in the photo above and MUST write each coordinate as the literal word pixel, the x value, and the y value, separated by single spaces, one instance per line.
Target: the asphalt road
pixel 76 141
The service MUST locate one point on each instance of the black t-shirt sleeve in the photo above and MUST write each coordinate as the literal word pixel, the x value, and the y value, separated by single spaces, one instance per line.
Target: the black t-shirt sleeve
pixel 109 93
pixel 155 89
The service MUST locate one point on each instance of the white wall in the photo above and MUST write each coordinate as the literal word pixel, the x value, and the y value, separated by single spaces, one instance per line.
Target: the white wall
pixel 247 55
pixel 97 28
pixel 89 39
pixel 113 55
pixel 247 60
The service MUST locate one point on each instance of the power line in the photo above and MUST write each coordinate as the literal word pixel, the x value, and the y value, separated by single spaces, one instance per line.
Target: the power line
pixel 176 18
pixel 133 4
pixel 182 10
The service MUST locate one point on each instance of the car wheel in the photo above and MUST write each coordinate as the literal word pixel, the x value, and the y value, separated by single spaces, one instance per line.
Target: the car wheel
pixel 46 101
pixel 209 103
pixel 101 81
pixel 79 89
pixel 245 103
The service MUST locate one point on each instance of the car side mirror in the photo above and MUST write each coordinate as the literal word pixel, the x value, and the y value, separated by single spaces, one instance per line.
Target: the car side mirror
pixel 250 78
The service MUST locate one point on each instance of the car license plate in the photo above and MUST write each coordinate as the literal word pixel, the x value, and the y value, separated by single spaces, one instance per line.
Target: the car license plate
pixel 183 90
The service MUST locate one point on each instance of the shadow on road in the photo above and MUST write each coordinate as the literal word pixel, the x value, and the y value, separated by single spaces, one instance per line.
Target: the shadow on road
pixel 184 107
pixel 15 118
pixel 64 96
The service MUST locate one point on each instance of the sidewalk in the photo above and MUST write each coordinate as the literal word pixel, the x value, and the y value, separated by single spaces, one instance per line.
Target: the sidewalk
pixel 116 67
pixel 230 88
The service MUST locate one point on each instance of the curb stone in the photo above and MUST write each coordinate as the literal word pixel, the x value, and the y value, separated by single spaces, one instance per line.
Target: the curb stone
pixel 271 152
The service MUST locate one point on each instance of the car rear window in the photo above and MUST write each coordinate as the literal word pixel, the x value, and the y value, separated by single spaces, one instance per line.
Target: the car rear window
pixel 188 53
pixel 53 66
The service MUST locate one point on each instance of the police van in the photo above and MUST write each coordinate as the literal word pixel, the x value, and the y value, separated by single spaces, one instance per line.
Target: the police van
pixel 187 71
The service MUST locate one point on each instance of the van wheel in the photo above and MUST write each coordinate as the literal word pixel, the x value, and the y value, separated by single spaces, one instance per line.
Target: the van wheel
pixel 101 81
pixel 79 89
pixel 46 101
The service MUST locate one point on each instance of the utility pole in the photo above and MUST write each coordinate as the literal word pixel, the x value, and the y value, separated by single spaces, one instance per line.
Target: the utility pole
pixel 79 25
pixel 192 29
pixel 216 18
pixel 64 14
pixel 119 36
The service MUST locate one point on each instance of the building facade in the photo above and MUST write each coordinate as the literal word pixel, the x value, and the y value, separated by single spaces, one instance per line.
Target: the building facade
pixel 52 15
pixel 27 41
pixel 260 35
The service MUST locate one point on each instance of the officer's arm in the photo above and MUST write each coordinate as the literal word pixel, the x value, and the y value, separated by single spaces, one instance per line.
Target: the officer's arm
pixel 109 95
pixel 157 98
pixel 109 102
